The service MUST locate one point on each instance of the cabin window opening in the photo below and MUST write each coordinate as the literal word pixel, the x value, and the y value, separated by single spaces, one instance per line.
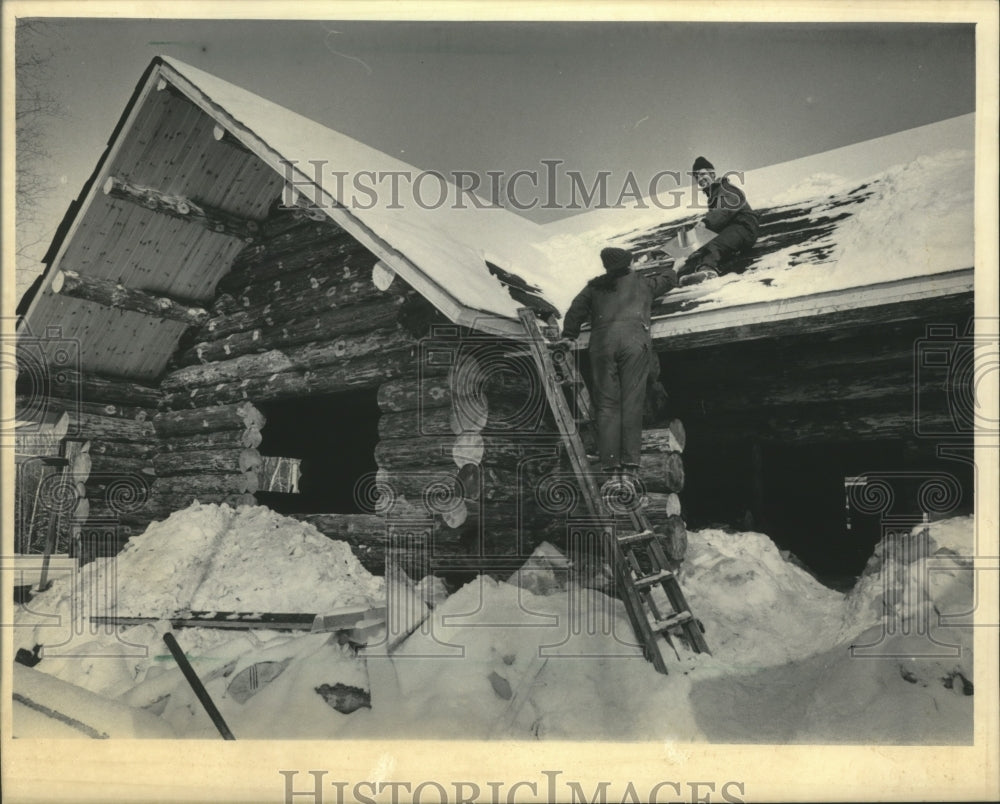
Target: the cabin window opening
pixel 315 451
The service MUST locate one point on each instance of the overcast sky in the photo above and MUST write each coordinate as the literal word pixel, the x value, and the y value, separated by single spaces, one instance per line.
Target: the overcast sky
pixel 504 96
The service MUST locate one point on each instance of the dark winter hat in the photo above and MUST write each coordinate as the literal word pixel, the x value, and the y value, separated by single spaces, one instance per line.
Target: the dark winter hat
pixel 701 163
pixel 615 259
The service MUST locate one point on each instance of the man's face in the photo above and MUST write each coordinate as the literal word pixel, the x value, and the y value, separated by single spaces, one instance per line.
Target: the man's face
pixel 704 178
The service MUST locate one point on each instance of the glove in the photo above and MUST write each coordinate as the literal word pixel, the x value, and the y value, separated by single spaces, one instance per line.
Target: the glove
pixel 564 344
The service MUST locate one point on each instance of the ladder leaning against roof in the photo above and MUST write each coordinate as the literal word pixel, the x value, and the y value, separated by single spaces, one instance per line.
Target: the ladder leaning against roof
pixel 629 551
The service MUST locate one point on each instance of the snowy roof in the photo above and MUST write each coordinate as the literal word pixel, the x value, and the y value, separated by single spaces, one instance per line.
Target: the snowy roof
pixel 865 216
pixel 883 222
pixel 441 245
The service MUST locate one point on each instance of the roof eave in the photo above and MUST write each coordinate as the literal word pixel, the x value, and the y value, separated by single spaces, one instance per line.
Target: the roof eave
pixel 761 319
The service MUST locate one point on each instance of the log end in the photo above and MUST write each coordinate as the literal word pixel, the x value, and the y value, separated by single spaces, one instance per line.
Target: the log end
pixel 382 276
pixel 468 448
pixel 468 481
pixel 677 428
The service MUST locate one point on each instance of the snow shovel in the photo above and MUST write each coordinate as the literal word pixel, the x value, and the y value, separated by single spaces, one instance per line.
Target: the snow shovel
pixel 685 243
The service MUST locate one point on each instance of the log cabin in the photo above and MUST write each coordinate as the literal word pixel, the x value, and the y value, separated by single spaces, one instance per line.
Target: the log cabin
pixel 220 320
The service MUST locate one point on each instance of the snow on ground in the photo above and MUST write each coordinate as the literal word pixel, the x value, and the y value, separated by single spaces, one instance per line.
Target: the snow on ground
pixel 204 558
pixel 541 655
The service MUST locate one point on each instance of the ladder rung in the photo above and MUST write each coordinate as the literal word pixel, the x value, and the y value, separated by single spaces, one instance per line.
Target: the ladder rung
pixel 652 580
pixel 663 625
pixel 632 538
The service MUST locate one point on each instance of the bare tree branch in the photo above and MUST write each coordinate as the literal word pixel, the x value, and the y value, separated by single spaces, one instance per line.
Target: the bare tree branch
pixel 36 109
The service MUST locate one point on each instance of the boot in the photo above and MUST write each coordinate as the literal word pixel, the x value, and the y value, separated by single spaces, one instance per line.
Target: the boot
pixel 698 276
pixel 611 487
pixel 704 265
pixel 632 488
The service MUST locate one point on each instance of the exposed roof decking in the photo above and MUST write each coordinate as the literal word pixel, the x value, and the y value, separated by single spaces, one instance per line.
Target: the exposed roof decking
pixel 168 145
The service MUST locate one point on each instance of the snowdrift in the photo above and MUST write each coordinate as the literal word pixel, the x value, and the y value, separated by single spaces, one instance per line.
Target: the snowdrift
pixel 541 655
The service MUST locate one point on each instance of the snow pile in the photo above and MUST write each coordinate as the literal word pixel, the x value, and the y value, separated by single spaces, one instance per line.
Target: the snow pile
pixel 763 610
pixel 213 557
pixel 204 558
pixel 911 582
pixel 496 661
pixel 881 667
pixel 544 655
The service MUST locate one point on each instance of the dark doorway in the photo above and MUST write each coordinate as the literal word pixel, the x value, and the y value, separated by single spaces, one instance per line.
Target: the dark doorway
pixel 799 495
pixel 333 440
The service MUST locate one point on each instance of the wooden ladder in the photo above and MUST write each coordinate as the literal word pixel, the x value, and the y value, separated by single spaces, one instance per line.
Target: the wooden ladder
pixel 631 552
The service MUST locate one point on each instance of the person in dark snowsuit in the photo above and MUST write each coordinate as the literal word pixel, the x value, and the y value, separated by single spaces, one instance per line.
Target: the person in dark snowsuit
pixel 729 216
pixel 618 305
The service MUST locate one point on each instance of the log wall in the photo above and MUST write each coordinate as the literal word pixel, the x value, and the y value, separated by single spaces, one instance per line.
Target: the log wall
pixel 299 314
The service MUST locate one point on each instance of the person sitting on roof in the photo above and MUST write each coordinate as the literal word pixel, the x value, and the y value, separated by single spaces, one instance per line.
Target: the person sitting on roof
pixel 618 306
pixel 729 216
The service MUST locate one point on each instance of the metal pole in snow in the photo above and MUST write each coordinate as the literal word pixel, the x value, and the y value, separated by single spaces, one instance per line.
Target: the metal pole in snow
pixel 197 686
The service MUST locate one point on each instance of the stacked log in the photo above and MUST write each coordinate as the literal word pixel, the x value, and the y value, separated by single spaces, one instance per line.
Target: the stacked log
pixel 504 458
pixel 207 454
pixel 299 314
pixel 433 427
pixel 406 541
pixel 304 311
pixel 85 388
pixel 416 447
pixel 859 385
pixel 661 476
